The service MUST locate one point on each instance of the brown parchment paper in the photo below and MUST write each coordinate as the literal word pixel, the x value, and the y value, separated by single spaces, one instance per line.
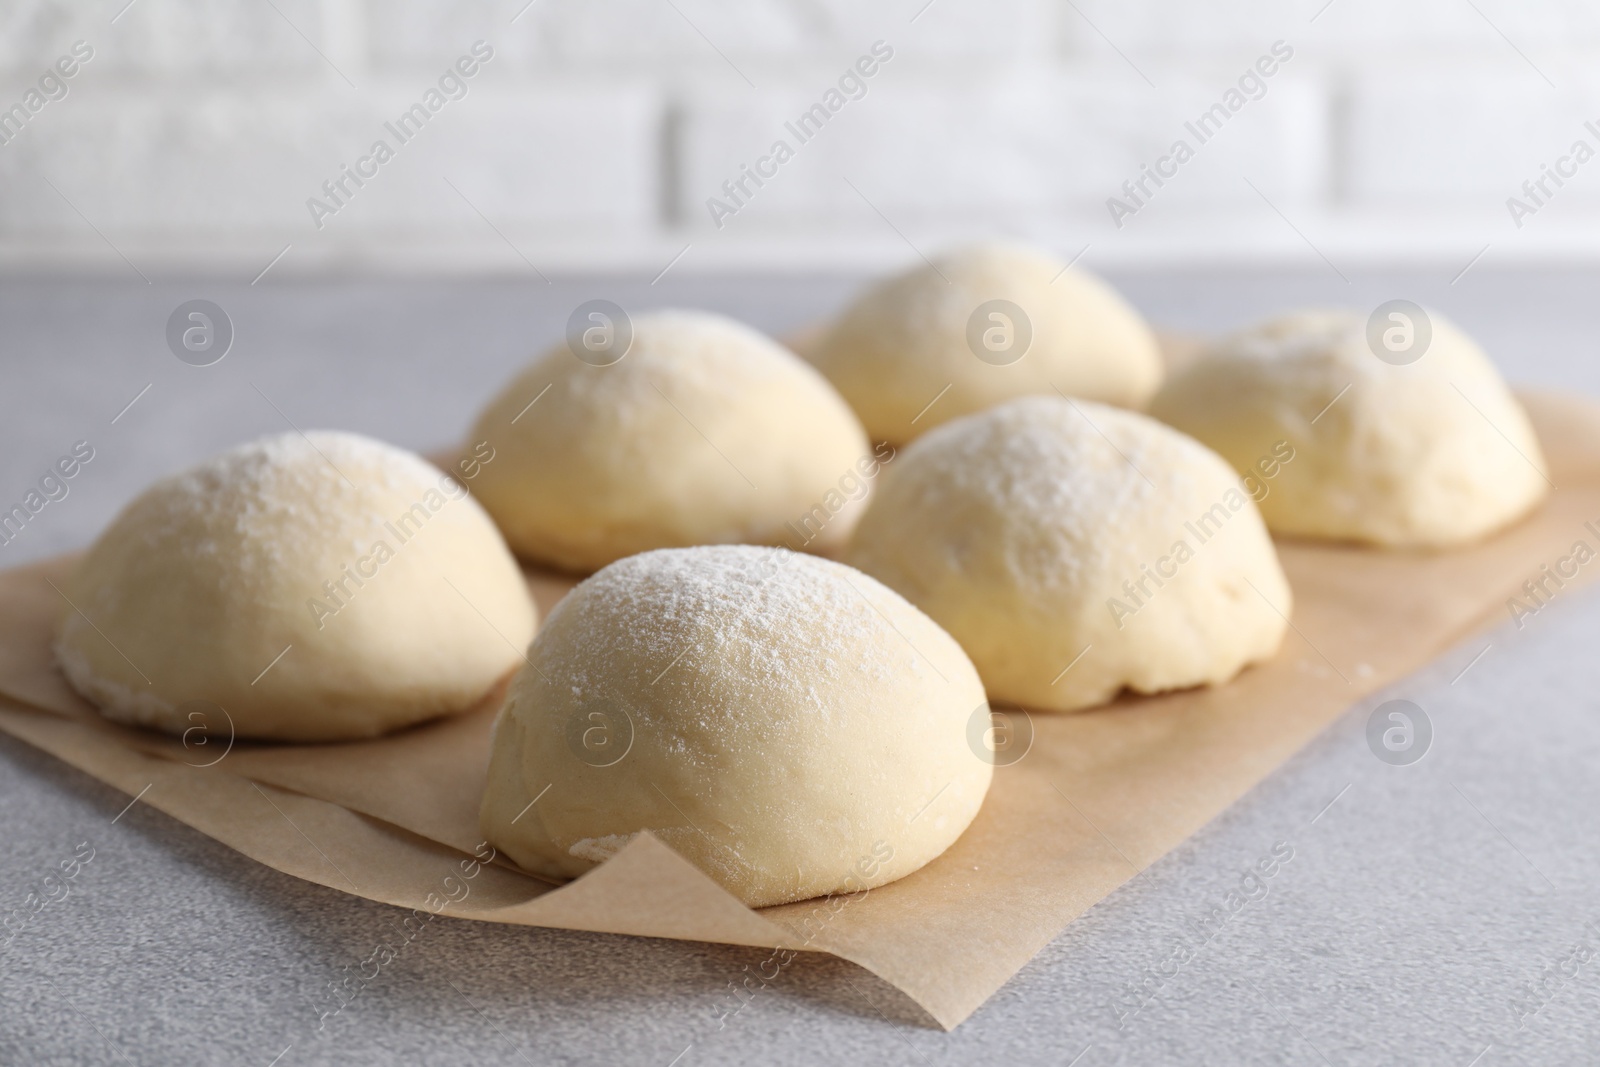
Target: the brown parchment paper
pixel 1100 795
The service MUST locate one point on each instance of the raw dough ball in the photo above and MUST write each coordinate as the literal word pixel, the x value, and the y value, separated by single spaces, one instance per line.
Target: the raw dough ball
pixel 206 577
pixel 705 432
pixel 1430 453
pixel 787 724
pixel 1074 549
pixel 902 342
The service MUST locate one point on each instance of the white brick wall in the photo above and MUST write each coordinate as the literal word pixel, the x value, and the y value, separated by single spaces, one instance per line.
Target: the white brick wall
pixel 1486 129
pixel 594 137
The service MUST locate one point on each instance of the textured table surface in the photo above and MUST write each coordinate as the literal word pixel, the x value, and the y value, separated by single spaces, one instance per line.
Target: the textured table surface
pixel 1430 913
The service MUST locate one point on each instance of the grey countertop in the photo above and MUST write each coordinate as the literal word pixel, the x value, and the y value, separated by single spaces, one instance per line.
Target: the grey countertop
pixel 1432 913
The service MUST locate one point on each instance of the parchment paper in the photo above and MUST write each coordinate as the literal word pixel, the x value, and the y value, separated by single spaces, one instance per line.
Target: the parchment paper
pixel 1100 795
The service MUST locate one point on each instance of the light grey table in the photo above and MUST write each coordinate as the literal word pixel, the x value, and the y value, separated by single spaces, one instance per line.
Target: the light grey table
pixel 1431 913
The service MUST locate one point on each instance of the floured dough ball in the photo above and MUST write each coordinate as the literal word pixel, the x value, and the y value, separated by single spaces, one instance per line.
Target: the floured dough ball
pixel 1074 549
pixel 991 322
pixel 785 723
pixel 702 432
pixel 1431 450
pixel 314 588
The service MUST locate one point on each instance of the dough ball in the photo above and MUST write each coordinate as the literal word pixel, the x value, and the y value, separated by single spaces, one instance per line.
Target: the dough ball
pixel 992 322
pixel 787 724
pixel 1431 452
pixel 308 607
pixel 1074 549
pixel 704 432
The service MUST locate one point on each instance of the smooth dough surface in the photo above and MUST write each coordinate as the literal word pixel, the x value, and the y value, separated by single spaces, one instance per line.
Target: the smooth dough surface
pixel 1432 453
pixel 705 432
pixel 208 589
pixel 768 714
pixel 903 341
pixel 1074 549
